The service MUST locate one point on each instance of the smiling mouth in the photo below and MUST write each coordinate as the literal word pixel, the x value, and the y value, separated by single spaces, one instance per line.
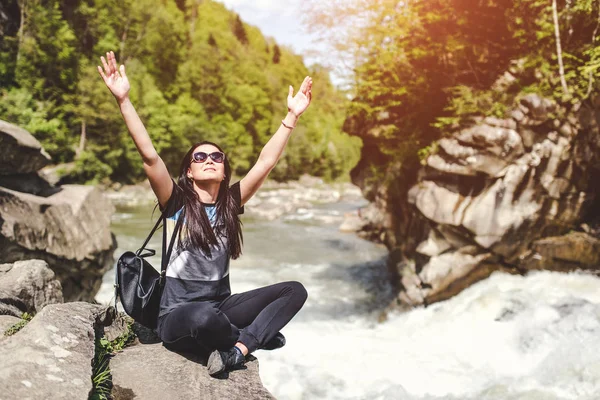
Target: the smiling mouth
pixel 210 169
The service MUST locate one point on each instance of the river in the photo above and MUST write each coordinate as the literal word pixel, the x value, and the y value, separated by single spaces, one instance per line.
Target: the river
pixel 507 337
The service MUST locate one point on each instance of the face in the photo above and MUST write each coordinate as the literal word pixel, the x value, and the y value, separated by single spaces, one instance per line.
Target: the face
pixel 207 170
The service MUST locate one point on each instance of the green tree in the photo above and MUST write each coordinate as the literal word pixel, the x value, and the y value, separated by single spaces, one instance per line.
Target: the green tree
pixel 197 72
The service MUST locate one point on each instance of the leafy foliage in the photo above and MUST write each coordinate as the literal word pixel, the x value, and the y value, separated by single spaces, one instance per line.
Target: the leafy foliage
pixel 424 68
pixel 197 72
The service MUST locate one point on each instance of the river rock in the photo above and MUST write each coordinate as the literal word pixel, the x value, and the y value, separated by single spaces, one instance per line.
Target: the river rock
pixel 151 372
pixel 51 357
pixel 352 222
pixel 564 253
pixel 27 286
pixel 20 152
pixel 70 230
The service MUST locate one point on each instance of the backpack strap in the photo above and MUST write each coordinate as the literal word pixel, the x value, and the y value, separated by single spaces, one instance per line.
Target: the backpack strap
pixel 166 256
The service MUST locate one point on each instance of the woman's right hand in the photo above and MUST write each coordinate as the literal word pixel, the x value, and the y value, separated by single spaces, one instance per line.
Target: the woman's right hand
pixel 114 78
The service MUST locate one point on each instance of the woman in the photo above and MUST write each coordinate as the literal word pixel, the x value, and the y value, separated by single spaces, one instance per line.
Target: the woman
pixel 197 310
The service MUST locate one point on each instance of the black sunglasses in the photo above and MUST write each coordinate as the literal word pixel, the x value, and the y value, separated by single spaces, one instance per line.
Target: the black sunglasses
pixel 201 156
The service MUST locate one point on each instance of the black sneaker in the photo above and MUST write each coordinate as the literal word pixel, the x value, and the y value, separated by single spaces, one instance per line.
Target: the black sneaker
pixel 276 342
pixel 220 361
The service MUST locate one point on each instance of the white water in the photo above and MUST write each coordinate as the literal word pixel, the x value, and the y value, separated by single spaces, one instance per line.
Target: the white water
pixel 508 337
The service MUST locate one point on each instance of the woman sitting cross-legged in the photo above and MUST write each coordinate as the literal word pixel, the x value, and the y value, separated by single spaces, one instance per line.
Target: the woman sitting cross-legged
pixel 197 310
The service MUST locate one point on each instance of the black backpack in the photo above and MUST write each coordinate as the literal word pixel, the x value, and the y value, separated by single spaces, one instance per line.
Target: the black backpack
pixel 138 284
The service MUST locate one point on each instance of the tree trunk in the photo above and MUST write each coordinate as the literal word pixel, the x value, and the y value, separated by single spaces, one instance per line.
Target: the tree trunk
pixel 561 68
pixel 21 5
pixel 81 146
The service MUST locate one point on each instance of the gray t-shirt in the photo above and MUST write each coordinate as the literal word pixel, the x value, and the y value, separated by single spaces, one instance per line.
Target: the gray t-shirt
pixel 191 274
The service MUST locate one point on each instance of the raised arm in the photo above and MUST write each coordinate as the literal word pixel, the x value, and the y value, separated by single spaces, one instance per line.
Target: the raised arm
pixel 156 170
pixel 270 154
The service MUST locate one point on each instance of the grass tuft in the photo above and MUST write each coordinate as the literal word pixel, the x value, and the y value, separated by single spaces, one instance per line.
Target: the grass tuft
pixel 25 318
pixel 105 349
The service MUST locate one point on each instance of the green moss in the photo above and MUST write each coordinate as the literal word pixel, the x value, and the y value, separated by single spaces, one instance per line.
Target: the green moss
pixel 25 318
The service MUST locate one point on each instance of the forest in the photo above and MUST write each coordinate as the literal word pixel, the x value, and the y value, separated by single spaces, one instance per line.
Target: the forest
pixel 417 70
pixel 198 72
pixel 423 69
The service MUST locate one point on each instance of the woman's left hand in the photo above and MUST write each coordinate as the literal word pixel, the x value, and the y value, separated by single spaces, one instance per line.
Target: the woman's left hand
pixel 299 103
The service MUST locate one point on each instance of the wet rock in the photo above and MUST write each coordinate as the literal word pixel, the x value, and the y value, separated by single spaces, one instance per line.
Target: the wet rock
pixel 564 253
pixel 70 230
pixel 445 275
pixel 352 222
pixel 150 371
pixel 27 286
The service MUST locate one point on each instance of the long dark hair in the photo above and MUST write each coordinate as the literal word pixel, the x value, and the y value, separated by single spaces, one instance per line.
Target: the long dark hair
pixel 199 232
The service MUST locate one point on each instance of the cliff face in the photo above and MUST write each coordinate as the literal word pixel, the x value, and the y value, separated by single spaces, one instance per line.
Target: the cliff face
pixel 510 194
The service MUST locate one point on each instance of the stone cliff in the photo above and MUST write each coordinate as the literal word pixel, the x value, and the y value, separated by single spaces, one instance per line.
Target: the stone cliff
pixel 511 194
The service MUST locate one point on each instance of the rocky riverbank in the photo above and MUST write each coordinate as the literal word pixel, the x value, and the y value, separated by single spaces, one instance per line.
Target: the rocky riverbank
pixel 68 226
pixel 52 356
pixel 513 194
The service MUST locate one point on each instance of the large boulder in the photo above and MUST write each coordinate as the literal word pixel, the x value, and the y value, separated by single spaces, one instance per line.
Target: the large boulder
pixel 51 357
pixel 70 230
pixel 27 286
pixel 20 152
pixel 149 371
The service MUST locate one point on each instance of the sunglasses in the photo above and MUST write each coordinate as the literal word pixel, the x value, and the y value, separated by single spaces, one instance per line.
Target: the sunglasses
pixel 201 156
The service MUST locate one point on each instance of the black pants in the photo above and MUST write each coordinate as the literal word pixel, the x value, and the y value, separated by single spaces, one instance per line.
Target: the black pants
pixel 252 318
